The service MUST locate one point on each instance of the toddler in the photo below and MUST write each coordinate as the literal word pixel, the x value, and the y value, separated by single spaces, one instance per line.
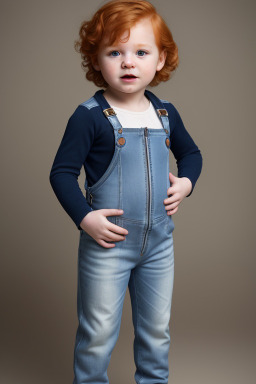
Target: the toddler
pixel 122 136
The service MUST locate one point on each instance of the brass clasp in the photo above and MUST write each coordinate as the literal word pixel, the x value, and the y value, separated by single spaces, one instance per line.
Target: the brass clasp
pixel 109 112
pixel 162 112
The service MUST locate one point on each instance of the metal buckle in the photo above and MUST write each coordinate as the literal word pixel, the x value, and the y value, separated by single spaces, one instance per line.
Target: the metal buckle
pixel 109 112
pixel 162 112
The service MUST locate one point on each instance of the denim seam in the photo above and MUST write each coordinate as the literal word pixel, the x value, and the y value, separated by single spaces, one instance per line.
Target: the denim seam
pixel 152 184
pixel 106 174
pixel 137 322
pixel 145 173
pixel 146 182
pixel 134 221
pixel 120 187
pixel 81 306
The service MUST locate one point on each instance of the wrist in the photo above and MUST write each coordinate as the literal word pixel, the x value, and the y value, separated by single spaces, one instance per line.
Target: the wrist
pixel 188 185
pixel 85 219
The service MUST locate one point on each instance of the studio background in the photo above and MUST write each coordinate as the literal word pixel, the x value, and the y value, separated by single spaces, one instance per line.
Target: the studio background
pixel 42 83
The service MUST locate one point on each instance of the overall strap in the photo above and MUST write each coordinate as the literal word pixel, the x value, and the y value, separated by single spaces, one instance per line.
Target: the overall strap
pixel 118 129
pixel 110 114
pixel 161 111
pixel 107 110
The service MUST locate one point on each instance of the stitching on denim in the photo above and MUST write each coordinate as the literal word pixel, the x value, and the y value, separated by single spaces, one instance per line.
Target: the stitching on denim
pixel 81 308
pixel 152 184
pixel 134 221
pixel 146 182
pixel 107 173
pixel 120 187
pixel 137 321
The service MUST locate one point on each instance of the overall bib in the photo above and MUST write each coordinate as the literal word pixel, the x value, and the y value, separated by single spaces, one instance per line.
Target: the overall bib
pixel 136 181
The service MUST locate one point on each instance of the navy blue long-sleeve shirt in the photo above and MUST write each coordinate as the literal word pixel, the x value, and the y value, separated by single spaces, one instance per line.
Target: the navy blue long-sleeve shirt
pixel 89 141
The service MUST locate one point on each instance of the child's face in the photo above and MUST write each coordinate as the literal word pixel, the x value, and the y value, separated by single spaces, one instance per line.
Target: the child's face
pixel 129 67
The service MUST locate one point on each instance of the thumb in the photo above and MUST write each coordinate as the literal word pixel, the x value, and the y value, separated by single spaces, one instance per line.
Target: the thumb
pixel 112 212
pixel 172 178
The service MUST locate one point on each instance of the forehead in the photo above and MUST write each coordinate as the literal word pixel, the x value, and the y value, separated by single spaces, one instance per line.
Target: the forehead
pixel 141 33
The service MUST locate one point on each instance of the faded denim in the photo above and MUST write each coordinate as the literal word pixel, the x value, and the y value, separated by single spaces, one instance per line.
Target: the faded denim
pixel 136 181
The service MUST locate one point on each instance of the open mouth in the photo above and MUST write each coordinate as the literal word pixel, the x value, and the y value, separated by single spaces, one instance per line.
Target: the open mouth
pixel 128 77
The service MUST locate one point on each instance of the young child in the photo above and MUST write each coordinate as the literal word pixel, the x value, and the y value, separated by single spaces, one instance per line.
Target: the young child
pixel 122 136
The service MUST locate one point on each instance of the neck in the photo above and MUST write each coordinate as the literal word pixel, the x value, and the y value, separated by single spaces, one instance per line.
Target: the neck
pixel 132 101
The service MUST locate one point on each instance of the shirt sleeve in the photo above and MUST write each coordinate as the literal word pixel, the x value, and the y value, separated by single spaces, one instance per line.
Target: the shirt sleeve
pixel 72 152
pixel 186 152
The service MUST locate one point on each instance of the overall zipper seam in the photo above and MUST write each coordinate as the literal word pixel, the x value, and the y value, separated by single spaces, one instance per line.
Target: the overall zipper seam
pixel 149 190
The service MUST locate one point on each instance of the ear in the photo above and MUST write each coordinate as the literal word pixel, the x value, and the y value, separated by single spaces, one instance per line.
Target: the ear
pixel 161 60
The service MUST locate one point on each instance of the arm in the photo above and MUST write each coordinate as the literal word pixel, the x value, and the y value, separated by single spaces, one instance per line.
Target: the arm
pixel 187 154
pixel 74 147
pixel 71 155
pixel 188 159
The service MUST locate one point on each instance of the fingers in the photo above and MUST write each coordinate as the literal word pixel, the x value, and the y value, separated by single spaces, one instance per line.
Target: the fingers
pixel 111 212
pixel 109 237
pixel 102 230
pixel 171 204
pixel 169 207
pixel 112 236
pixel 106 245
pixel 172 199
pixel 113 233
pixel 172 211
pixel 116 229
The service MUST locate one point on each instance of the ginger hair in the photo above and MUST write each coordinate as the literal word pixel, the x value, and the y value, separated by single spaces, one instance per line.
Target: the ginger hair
pixel 114 19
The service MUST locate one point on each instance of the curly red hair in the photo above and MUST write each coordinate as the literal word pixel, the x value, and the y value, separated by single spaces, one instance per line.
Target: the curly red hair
pixel 112 20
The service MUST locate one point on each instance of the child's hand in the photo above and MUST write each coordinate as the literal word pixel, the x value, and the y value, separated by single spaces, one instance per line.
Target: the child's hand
pixel 96 224
pixel 181 187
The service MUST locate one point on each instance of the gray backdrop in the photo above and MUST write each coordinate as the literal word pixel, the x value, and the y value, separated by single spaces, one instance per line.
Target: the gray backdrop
pixel 213 312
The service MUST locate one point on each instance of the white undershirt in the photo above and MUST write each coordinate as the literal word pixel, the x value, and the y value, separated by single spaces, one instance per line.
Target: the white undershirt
pixel 130 119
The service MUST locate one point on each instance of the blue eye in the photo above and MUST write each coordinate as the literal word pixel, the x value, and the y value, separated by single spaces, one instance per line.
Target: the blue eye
pixel 141 53
pixel 114 53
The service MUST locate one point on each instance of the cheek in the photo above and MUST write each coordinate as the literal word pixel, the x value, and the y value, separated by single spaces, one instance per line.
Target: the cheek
pixel 150 67
pixel 108 70
pixel 150 71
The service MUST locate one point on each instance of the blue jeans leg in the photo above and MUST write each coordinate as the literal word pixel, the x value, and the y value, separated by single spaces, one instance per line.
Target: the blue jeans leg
pixel 151 286
pixel 103 277
pixel 101 291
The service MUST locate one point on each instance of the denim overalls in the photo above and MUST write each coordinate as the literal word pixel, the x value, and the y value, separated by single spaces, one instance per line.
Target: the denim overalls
pixel 136 181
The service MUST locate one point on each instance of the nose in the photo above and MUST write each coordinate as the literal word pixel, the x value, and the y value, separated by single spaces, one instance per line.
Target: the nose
pixel 128 62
